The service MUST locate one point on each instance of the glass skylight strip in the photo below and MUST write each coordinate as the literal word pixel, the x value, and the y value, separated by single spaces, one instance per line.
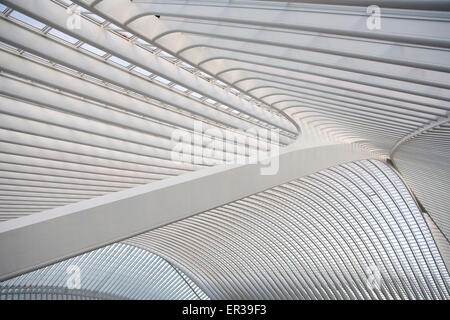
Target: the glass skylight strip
pixel 180 88
pixel 210 101
pixel 95 17
pixel 109 85
pixel 162 80
pixel 318 237
pixel 65 3
pixel 119 61
pixel 142 71
pixel 169 57
pixel 9 46
pixel 63 36
pixel 117 271
pixel 196 95
pixel 93 49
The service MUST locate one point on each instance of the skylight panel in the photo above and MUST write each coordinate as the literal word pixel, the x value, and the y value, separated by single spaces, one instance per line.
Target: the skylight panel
pixel 223 107
pixel 166 55
pixel 2 7
pixel 66 69
pixel 66 2
pixel 83 10
pixel 125 34
pixel 142 71
pixel 196 95
pixel 221 84
pixel 113 86
pixel 211 101
pixel 142 42
pixel 63 36
pixel 204 76
pixel 162 80
pixel 185 65
pixel 8 45
pixel 95 17
pixel 93 49
pixel 180 88
pixel 119 30
pixel 119 61
pixel 26 19
pixel 36 57
pixel 88 2
pixel 114 27
pixel 234 91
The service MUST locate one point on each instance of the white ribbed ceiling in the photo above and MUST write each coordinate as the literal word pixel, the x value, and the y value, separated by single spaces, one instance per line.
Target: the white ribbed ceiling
pixel 90 110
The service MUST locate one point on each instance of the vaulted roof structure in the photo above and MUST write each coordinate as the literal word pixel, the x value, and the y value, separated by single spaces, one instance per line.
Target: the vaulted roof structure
pixel 224 149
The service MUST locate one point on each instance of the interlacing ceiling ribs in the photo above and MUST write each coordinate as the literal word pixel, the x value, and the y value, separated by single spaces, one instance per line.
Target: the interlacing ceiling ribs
pixel 349 232
pixel 106 273
pixel 424 161
pixel 92 91
pixel 320 64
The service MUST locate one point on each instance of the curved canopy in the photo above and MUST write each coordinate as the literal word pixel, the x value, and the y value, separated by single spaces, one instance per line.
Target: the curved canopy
pixel 348 100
